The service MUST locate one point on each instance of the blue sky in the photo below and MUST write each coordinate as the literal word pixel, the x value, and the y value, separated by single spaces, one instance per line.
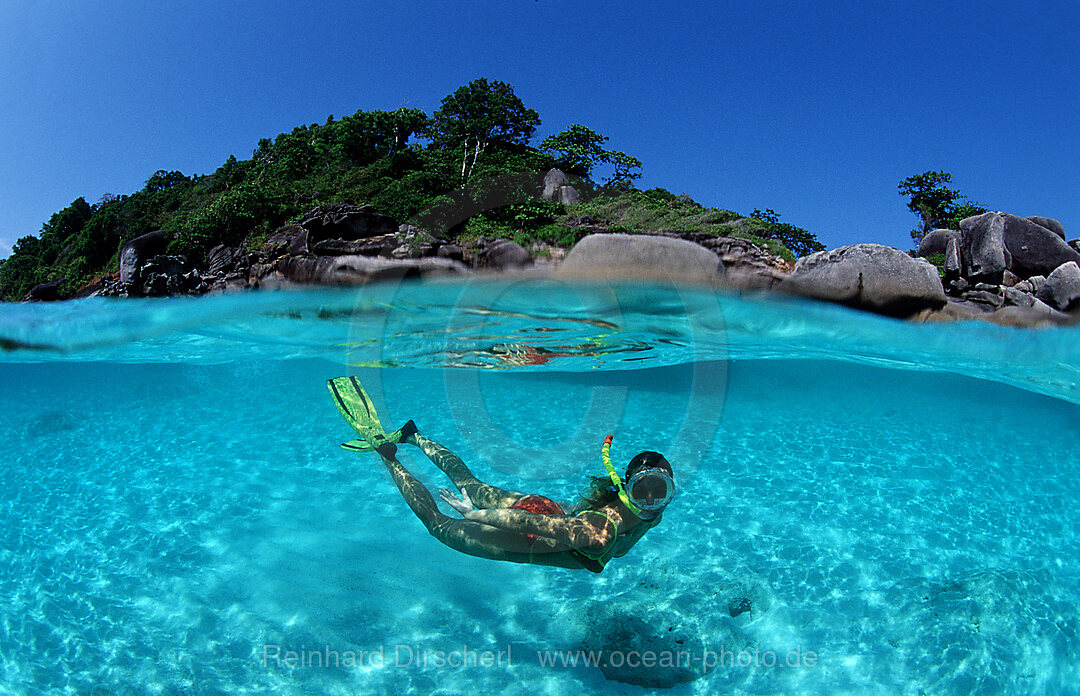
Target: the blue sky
pixel 815 111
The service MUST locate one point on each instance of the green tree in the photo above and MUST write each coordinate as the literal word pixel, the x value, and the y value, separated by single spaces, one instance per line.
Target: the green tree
pixel 935 203
pixel 477 115
pixel 626 169
pixel 578 150
pixel 162 180
pixel 798 240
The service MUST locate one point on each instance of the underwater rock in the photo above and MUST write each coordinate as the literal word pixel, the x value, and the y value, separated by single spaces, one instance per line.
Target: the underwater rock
pixel 50 422
pixel 868 276
pixel 633 256
pixel 1062 287
pixel 967 634
pixel 1037 315
pixel 644 647
pixel 954 310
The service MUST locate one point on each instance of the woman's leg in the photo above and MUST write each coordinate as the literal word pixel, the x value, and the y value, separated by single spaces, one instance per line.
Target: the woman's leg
pixel 483 495
pixel 467 536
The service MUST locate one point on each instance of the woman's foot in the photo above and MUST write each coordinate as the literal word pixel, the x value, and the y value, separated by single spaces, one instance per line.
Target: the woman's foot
pixel 405 434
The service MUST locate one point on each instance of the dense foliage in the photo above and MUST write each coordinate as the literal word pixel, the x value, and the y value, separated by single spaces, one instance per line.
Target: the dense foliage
pixel 937 205
pixel 456 172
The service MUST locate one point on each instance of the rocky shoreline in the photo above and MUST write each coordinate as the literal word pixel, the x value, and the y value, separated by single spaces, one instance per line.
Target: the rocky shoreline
pixel 998 267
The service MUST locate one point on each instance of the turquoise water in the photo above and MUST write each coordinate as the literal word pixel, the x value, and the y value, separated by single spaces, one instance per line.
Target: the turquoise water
pixel 865 506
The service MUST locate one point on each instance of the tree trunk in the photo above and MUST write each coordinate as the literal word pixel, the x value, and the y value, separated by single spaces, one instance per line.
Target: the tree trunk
pixel 464 159
pixel 475 155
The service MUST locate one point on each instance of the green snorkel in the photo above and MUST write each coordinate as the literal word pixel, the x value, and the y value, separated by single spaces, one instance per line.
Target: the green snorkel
pixel 605 455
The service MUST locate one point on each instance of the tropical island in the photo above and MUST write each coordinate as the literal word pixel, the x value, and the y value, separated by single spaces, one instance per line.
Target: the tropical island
pixel 403 193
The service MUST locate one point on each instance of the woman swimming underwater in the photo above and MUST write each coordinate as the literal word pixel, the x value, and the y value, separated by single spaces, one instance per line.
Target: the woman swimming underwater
pixel 508 526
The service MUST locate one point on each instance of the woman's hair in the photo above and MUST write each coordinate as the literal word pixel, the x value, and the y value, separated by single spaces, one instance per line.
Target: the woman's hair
pixel 600 491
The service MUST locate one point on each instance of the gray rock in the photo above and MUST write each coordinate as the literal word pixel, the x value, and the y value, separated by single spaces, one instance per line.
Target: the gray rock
pixel 568 195
pixel 165 276
pixel 504 254
pixel 219 258
pixel 632 256
pixel 1075 244
pixel 373 246
pixel 287 239
pixel 136 252
pixel 1062 288
pixel 953 265
pixel 451 251
pixel 46 292
pixel 1051 224
pixel 1018 298
pixel 1010 279
pixel 982 248
pixel 954 310
pixel 1035 250
pixel 1025 286
pixel 936 242
pixel 357 270
pixel 413 243
pixel 346 222
pixel 989 298
pixel 1036 283
pixel 747 266
pixel 1038 315
pixel 553 181
pixel 868 276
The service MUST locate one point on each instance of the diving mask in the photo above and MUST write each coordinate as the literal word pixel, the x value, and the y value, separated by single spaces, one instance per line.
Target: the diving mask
pixel 649 490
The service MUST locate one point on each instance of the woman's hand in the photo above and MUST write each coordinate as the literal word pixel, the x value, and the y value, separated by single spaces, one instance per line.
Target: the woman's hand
pixel 463 505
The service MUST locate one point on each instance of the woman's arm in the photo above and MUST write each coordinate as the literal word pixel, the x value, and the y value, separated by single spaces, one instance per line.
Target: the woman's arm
pixel 592 533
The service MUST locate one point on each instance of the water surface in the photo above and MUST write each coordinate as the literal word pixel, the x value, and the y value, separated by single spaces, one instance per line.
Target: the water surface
pixel 898 500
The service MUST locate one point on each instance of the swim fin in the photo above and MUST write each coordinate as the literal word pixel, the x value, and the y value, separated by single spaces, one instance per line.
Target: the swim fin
pixel 356 407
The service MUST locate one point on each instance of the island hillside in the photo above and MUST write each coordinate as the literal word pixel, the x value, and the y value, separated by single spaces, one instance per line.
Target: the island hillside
pixel 396 193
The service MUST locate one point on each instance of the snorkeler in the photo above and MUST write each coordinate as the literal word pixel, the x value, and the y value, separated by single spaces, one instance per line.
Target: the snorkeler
pixel 506 526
